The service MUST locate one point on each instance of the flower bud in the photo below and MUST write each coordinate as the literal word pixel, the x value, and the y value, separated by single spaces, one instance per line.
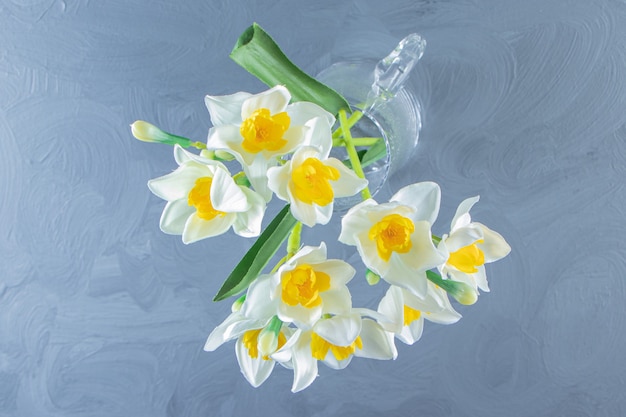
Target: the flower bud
pixel 372 277
pixel 461 292
pixel 237 304
pixel 148 132
pixel 268 338
pixel 464 294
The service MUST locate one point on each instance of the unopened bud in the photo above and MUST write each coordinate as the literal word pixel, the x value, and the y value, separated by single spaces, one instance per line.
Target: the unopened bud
pixel 148 132
pixel 461 292
pixel 268 338
pixel 372 277
pixel 237 304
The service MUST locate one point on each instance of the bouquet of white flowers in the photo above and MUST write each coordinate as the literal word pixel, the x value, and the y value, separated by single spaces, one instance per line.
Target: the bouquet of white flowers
pixel 301 312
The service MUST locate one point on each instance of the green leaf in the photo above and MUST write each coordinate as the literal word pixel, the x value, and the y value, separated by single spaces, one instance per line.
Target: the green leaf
pixel 259 255
pixel 257 52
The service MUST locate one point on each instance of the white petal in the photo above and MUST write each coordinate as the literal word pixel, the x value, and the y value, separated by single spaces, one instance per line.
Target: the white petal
pixel 302 154
pixel 198 229
pixel 412 280
pixel 339 330
pixel 218 335
pixel 304 364
pixel 377 343
pixel 355 221
pixel 303 111
pixel 275 100
pixel 319 136
pixel 459 276
pixel 462 217
pixel 392 307
pixel 336 301
pixel 256 171
pixel 225 109
pixel 278 180
pixel 423 254
pixel 432 302
pixel 339 271
pixel 323 214
pixel 348 183
pixel 182 157
pixel 302 317
pixel 175 216
pixel 309 255
pixel 480 277
pixel 255 370
pixel 248 223
pixel 462 237
pixel 333 363
pixel 259 303
pixel 295 137
pixel 228 138
pixel 413 332
pixel 424 197
pixel 177 184
pixel 494 247
pixel 226 195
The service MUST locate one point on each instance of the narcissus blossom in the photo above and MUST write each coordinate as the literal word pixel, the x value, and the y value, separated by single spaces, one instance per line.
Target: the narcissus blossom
pixel 204 201
pixel 251 348
pixel 394 239
pixel 406 312
pixel 307 286
pixel 334 341
pixel 310 181
pixel 258 128
pixel 469 246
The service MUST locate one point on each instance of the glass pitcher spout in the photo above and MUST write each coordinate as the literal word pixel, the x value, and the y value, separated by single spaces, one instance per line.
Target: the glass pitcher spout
pixel 392 71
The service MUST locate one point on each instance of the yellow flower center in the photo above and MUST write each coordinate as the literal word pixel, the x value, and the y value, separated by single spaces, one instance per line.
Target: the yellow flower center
pixel 392 234
pixel 468 258
pixel 410 315
pixel 320 347
pixel 303 286
pixel 261 131
pixel 250 340
pixel 312 182
pixel 200 198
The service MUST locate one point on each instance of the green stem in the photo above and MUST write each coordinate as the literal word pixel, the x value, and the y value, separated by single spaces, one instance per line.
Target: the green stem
pixel 357 141
pixel 279 263
pixel 352 154
pixel 352 120
pixel 436 239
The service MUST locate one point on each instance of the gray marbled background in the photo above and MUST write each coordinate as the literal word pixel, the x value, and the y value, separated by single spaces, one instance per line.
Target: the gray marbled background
pixel 101 314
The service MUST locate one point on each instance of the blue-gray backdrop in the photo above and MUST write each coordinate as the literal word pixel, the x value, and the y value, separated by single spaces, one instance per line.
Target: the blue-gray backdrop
pixel 101 314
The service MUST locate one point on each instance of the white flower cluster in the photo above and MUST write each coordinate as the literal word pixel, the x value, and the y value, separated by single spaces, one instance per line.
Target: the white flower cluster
pixel 302 312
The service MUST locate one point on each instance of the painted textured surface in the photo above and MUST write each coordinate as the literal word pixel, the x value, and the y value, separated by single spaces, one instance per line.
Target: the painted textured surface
pixel 101 314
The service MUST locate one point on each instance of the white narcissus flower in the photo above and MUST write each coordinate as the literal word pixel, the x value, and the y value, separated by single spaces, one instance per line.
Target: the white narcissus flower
pixel 310 181
pixel 406 312
pixel 394 239
pixel 258 128
pixel 307 286
pixel 204 201
pixel 334 341
pixel 469 246
pixel 256 366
